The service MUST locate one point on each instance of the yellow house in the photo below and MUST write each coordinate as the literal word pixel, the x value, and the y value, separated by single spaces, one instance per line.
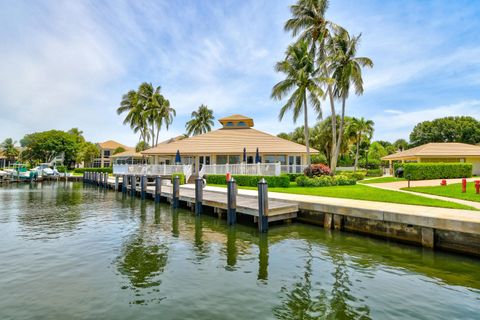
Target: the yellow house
pixel 235 143
pixel 106 151
pixel 439 152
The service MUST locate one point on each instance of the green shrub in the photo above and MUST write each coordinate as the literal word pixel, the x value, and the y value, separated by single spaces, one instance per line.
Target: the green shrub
pixel 325 181
pixel 318 158
pixel 82 170
pixel 62 169
pixel 316 170
pixel 436 170
pixel 358 175
pixel 372 163
pixel 282 181
pixel 374 172
pixel 294 176
pixel 181 176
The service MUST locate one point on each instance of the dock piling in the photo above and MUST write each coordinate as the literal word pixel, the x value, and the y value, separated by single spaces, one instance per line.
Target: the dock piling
pixel 143 187
pixel 231 201
pixel 175 191
pixel 133 185
pixel 116 183
pixel 105 180
pixel 158 188
pixel 262 205
pixel 198 195
pixel 124 183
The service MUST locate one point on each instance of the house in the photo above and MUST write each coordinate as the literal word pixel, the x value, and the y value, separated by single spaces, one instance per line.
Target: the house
pixel 107 149
pixel 439 152
pixel 226 146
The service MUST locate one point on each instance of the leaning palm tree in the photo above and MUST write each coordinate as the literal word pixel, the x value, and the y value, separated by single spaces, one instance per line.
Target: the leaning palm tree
pixel 346 69
pixel 362 129
pixel 302 82
pixel 201 122
pixel 167 113
pixel 8 149
pixel 134 110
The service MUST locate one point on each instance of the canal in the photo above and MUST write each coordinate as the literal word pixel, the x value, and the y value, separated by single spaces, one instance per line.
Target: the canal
pixel 70 251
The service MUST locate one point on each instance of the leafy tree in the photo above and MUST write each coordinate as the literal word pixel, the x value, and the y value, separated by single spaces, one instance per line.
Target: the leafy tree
pixel 400 145
pixel 322 136
pixel 302 82
pixel 363 130
pixel 141 146
pixel 201 122
pixel 376 151
pixel 45 146
pixel 449 129
pixel 88 152
pixel 119 150
pixel 9 150
pixel 78 135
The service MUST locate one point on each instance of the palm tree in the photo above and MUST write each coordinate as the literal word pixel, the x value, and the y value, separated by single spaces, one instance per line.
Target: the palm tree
pixel 135 117
pixel 301 78
pixel 166 115
pixel 201 122
pixel 346 69
pixel 363 129
pixel 8 149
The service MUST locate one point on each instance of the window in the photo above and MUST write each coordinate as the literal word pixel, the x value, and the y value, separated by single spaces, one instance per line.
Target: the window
pixel 222 159
pixel 106 153
pixel 97 163
pixel 274 159
pixel 229 124
pixel 241 124
pixel 106 164
pixel 233 159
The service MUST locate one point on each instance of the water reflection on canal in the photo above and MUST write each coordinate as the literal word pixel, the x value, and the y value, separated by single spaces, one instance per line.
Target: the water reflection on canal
pixel 70 251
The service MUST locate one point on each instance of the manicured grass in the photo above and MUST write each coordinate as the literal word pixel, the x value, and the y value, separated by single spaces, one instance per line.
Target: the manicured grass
pixel 381 180
pixel 361 192
pixel 453 190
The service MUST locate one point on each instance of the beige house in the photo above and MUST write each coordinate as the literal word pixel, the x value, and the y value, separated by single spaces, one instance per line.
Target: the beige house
pixel 107 149
pixel 226 146
pixel 439 152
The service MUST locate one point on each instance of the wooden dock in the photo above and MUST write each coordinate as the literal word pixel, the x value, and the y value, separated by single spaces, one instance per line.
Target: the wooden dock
pixel 245 204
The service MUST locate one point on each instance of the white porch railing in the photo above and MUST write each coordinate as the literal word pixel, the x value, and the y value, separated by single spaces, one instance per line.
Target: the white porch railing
pixel 293 168
pixel 264 169
pixel 153 169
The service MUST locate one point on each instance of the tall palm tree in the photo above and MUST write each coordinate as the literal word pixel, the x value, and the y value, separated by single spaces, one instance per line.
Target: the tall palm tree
pixel 363 129
pixel 8 149
pixel 201 122
pixel 309 23
pixel 167 113
pixel 134 110
pixel 346 69
pixel 302 82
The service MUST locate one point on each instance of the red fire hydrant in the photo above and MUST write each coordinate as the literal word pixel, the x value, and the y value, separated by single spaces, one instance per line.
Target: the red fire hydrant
pixel 464 185
pixel 477 186
pixel 443 183
pixel 229 176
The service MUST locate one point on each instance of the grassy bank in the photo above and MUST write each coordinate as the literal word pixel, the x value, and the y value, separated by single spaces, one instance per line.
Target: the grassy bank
pixel 381 180
pixel 361 192
pixel 450 191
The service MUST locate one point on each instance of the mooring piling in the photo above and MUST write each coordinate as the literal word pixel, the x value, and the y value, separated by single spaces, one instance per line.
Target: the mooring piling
pixel 262 205
pixel 198 195
pixel 175 192
pixel 158 188
pixel 133 185
pixel 231 201
pixel 143 187
pixel 124 183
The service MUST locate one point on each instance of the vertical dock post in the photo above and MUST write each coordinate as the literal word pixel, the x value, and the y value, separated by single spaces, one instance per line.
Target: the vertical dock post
pixel 84 177
pixel 102 180
pixel 105 180
pixel 95 178
pixel 231 201
pixel 89 177
pixel 124 183
pixel 143 187
pixel 133 185
pixel 198 195
pixel 262 205
pixel 175 191
pixel 116 182
pixel 158 188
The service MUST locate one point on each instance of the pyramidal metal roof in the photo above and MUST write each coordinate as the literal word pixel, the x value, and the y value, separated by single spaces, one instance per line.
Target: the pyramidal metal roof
pixel 437 149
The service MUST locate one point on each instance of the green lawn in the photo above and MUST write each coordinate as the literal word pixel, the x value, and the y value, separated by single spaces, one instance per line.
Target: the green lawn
pixel 453 190
pixel 361 192
pixel 381 180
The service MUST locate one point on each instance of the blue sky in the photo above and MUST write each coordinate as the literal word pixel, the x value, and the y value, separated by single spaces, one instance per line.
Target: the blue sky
pixel 66 64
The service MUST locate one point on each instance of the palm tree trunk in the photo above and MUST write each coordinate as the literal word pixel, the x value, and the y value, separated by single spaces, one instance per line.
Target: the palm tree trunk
pixel 307 133
pixel 356 152
pixel 340 134
pixel 333 159
pixel 158 133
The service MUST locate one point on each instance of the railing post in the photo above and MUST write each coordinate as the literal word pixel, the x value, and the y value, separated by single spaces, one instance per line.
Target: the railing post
pixel 231 201
pixel 175 191
pixel 198 195
pixel 278 168
pixel 262 205
pixel 158 188
pixel 117 178
pixel 143 187
pixel 258 169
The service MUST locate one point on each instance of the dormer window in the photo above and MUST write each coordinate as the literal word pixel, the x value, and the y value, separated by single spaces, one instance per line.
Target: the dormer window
pixel 236 121
pixel 241 124
pixel 229 124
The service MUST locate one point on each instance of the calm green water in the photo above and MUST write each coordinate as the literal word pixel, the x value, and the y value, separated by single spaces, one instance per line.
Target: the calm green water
pixel 74 252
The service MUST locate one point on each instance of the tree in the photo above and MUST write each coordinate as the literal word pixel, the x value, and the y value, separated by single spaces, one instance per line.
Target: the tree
pixel 376 151
pixel 346 69
pixel 46 146
pixel 449 129
pixel 119 150
pixel 322 136
pixel 301 78
pixel 201 122
pixel 363 129
pixel 400 145
pixel 9 150
pixel 135 116
pixel 142 146
pixel 88 152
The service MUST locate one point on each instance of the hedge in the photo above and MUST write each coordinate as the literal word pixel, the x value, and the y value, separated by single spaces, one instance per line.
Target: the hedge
pixel 436 170
pixel 181 176
pixel 325 181
pixel 294 176
pixel 82 170
pixel 282 181
pixel 358 175
pixel 374 172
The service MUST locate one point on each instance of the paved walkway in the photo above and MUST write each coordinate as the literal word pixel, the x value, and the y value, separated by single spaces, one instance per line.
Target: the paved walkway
pixel 397 185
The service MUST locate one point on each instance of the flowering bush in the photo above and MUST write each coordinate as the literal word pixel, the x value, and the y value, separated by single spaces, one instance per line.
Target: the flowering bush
pixel 317 170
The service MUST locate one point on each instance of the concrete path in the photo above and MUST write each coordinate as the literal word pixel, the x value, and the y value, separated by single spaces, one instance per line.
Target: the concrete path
pixel 397 185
